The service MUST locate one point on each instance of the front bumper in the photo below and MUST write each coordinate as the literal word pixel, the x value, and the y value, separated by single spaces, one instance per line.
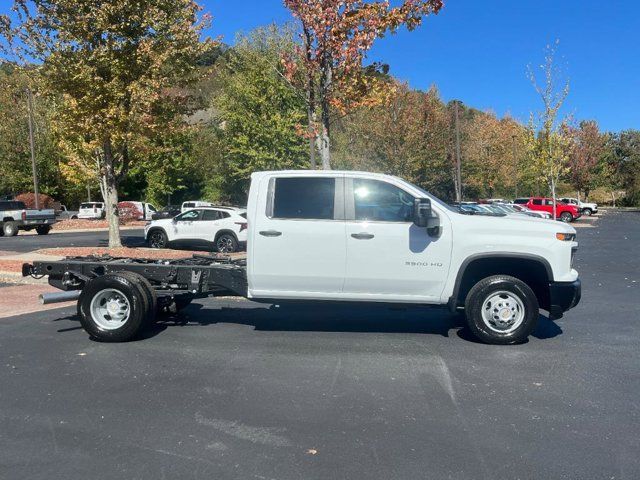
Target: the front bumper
pixel 563 296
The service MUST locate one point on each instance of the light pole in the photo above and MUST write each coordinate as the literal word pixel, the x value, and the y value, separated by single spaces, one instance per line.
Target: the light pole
pixel 515 164
pixel 32 144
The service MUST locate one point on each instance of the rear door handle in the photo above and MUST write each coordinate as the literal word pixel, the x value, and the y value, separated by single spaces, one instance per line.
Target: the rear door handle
pixel 270 233
pixel 362 236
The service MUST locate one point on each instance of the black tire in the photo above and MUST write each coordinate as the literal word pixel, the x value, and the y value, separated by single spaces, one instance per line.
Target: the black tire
pixel 157 239
pixel 587 211
pixel 566 217
pixel 123 286
pixel 10 229
pixel 43 229
pixel 149 292
pixel 226 243
pixel 501 286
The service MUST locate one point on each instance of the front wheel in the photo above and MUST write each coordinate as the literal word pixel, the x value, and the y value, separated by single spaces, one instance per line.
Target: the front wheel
pixel 587 211
pixel 158 239
pixel 226 243
pixel 566 217
pixel 501 310
pixel 43 229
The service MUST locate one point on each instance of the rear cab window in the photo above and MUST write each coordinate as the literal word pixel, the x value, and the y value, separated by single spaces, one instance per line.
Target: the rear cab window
pixel 310 198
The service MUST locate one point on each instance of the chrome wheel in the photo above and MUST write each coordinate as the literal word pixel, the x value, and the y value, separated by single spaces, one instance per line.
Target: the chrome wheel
pixel 157 240
pixel 503 312
pixel 225 244
pixel 110 309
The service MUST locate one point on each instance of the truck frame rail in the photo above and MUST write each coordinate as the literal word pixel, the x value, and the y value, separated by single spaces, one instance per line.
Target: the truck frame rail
pixel 199 275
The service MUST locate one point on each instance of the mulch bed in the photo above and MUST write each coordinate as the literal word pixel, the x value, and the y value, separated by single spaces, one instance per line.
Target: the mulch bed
pixel 153 254
pixel 79 224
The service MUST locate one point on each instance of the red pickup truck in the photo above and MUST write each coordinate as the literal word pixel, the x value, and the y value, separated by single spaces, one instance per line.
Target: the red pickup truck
pixel 564 212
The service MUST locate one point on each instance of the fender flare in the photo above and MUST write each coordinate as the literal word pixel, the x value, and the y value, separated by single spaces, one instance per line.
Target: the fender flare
pixel 453 299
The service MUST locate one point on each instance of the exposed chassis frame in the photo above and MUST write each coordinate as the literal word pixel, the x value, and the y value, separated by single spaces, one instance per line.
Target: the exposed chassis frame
pixel 199 275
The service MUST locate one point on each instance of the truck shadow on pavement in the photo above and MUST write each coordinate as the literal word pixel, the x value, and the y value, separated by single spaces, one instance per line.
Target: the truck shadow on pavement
pixel 351 319
pixel 290 318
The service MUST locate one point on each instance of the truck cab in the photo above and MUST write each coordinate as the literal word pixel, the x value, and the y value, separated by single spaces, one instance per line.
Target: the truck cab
pixel 356 236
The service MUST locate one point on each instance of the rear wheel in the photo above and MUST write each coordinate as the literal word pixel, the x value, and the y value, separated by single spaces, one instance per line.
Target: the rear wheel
pixel 43 229
pixel 158 239
pixel 113 308
pixel 566 217
pixel 501 310
pixel 10 229
pixel 226 243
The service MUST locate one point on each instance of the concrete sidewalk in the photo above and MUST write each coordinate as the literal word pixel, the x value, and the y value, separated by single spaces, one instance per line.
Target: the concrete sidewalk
pixel 20 299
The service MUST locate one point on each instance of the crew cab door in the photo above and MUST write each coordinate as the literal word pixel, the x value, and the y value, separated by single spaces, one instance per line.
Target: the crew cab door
pixel 388 257
pixel 297 238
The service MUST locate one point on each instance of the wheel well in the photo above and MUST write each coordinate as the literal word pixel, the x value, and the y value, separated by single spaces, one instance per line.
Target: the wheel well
pixel 222 232
pixel 8 219
pixel 156 229
pixel 534 272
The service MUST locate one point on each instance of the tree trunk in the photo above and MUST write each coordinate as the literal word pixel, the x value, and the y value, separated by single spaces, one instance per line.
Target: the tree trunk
pixel 109 186
pixel 553 195
pixel 323 139
pixel 311 101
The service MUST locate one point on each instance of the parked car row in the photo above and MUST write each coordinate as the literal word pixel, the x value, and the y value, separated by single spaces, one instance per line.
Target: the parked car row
pixel 567 209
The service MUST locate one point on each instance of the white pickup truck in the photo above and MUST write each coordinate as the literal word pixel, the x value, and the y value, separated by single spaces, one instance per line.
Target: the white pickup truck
pixel 584 207
pixel 347 237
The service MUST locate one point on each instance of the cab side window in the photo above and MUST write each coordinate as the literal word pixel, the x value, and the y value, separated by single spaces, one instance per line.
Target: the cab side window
pixel 378 201
pixel 537 201
pixel 304 198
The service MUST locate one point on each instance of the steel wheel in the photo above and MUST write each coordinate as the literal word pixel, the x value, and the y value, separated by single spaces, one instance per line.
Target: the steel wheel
pixel 587 212
pixel 503 312
pixel 110 309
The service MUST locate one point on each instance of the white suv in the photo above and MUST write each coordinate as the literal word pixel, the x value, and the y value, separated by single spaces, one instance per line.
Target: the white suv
pixel 224 227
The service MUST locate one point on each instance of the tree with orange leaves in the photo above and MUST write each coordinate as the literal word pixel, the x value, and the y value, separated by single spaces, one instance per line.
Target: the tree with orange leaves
pixel 337 34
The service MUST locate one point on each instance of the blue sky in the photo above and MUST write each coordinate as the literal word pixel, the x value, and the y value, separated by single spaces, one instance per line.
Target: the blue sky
pixel 478 51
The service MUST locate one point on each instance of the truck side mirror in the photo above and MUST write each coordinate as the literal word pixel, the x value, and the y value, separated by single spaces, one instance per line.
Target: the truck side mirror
pixel 423 216
pixel 422 212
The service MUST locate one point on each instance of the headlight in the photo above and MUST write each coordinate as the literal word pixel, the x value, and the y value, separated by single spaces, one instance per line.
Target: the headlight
pixel 566 237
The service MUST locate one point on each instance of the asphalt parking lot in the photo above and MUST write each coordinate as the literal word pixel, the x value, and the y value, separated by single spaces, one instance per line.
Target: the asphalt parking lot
pixel 236 390
pixel 27 243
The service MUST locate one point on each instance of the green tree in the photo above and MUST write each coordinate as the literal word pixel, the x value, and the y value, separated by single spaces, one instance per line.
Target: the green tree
pixel 258 116
pixel 119 69
pixel 548 144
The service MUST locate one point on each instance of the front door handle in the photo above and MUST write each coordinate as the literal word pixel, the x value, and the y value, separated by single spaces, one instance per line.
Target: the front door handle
pixel 270 233
pixel 362 236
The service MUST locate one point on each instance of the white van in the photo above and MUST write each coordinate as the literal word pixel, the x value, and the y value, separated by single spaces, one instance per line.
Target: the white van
pixel 191 204
pixel 91 211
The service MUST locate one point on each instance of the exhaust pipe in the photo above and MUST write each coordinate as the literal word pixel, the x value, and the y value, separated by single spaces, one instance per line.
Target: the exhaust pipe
pixel 58 297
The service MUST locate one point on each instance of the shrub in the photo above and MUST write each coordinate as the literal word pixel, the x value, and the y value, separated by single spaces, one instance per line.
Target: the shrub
pixel 29 199
pixel 129 212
